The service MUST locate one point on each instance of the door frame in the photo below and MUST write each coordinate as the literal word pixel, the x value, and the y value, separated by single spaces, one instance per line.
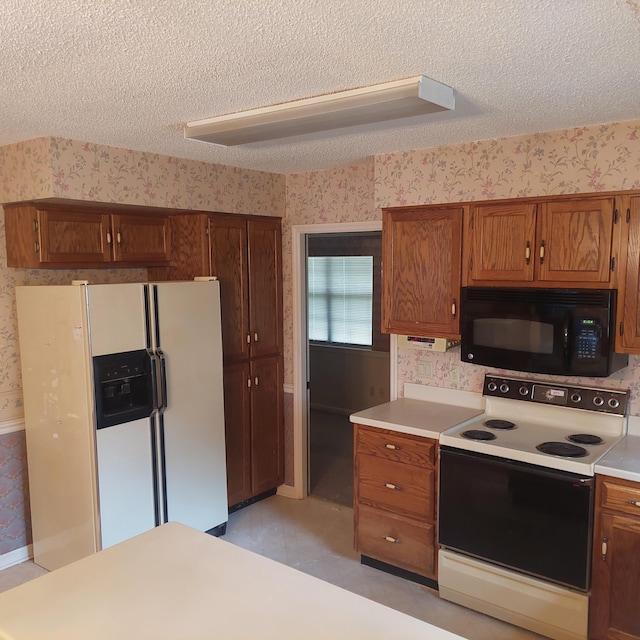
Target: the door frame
pixel 300 487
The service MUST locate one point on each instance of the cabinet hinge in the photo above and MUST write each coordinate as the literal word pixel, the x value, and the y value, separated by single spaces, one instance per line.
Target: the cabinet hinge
pixel 471 223
pixel 613 263
pixel 604 547
pixel 628 215
pixel 470 264
pixel 616 216
pixel 622 328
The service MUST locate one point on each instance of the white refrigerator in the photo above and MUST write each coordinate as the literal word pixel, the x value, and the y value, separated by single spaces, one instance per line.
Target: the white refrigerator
pixel 124 415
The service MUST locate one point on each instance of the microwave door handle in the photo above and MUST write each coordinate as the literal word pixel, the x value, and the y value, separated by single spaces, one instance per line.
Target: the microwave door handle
pixel 565 338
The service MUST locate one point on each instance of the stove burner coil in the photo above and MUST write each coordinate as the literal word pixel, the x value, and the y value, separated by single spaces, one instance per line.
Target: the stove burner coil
pixel 499 424
pixel 585 438
pixel 564 449
pixel 477 434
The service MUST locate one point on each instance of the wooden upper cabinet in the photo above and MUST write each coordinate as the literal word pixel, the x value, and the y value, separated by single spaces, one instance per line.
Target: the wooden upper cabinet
pixel 265 286
pixel 57 235
pixel 228 258
pixel 141 238
pixel 502 242
pixel 421 266
pixel 575 241
pixel 564 242
pixel 628 330
pixel 246 256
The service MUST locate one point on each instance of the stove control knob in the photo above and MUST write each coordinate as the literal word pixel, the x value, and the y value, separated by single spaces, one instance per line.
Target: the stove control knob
pixel 504 387
pixel 598 401
pixel 523 390
pixel 576 397
pixel 492 386
pixel 614 403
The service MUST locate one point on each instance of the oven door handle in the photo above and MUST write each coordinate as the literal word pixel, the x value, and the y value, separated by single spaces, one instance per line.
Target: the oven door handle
pixel 556 474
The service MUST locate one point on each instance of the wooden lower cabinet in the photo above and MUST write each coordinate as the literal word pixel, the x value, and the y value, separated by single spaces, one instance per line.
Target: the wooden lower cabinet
pixel 614 611
pixel 395 499
pixel 254 425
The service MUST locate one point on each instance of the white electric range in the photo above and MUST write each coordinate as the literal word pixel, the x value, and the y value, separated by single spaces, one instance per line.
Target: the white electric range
pixel 552 425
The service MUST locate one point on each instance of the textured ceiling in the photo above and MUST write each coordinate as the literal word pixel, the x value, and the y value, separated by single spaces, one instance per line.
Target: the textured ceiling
pixel 130 73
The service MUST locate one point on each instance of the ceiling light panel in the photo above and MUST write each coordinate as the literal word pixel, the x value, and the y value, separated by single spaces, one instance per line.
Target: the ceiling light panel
pixel 366 105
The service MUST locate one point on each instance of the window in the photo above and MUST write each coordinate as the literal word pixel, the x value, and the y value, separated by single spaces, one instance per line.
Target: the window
pixel 340 299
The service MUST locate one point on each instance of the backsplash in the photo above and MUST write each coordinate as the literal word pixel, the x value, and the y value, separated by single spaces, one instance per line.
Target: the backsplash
pixel 447 370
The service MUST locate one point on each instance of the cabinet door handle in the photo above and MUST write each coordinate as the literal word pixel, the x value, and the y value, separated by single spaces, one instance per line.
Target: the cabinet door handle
pixel 36 247
pixel 542 245
pixel 255 336
pixel 390 485
pixel 248 338
pixel 453 308
pixel 604 548
pixel 119 237
pixel 255 381
pixel 108 237
pixel 390 539
pixel 248 383
pixel 392 446
pixel 635 503
pixel 527 252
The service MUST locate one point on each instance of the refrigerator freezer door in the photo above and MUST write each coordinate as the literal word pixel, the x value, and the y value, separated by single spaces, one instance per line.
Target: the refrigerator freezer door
pixel 188 317
pixel 58 408
pixel 125 480
pixel 117 318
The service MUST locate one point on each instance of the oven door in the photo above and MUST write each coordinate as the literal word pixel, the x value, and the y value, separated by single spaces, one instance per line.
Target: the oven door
pixel 520 516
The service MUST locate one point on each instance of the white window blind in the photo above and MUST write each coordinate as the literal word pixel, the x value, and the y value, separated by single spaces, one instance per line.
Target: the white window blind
pixel 340 294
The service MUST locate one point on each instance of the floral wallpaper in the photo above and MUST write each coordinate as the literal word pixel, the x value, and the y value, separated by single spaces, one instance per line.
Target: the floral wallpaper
pixel 596 158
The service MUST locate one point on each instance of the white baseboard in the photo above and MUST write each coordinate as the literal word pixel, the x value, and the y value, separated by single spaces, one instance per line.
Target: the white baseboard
pixel 15 557
pixel 289 491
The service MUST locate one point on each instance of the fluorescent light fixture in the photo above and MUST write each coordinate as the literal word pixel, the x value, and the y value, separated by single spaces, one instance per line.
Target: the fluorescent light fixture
pixel 377 103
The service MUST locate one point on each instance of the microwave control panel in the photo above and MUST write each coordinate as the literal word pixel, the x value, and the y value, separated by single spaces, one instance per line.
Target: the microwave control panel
pixel 587 338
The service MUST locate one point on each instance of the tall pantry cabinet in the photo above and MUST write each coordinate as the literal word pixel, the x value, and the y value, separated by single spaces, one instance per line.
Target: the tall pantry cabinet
pixel 245 253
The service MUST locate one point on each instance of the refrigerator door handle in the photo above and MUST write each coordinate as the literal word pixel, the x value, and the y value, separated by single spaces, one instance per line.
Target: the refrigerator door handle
pixel 154 378
pixel 163 379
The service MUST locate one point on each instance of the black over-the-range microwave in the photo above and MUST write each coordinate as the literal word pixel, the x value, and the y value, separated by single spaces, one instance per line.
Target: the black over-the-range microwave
pixel 554 331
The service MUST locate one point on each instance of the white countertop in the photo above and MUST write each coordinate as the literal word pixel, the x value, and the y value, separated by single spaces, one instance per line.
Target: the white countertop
pixel 427 413
pixel 174 582
pixel 623 460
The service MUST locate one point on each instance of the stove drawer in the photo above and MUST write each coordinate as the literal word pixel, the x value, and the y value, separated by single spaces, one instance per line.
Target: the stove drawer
pixel 398 487
pixel 396 540
pixel 395 446
pixel 620 495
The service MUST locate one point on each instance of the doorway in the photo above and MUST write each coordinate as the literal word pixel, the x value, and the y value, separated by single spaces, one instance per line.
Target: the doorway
pixel 345 366
pixel 300 235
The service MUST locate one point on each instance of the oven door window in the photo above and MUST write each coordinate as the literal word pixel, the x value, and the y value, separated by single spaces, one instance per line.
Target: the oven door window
pixel 527 518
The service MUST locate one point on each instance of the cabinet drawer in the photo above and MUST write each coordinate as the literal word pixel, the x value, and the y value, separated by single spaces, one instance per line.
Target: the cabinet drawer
pixel 396 540
pixel 399 487
pixel 395 446
pixel 621 495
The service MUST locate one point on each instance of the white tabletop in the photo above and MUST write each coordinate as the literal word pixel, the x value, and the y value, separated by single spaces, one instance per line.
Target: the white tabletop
pixel 175 582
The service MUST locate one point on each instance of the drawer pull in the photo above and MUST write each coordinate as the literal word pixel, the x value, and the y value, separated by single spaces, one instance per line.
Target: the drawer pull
pixel 392 446
pixel 389 485
pixel 635 503
pixel 390 539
